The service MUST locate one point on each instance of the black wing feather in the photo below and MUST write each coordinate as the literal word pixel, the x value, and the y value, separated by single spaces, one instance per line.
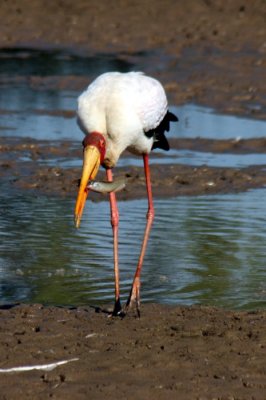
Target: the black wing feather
pixel 160 141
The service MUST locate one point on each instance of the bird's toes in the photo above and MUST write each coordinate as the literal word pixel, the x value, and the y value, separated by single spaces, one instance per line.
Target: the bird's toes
pixel 134 300
pixel 118 310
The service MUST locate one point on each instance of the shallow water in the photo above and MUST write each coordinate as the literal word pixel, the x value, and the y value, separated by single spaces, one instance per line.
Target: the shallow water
pixel 204 122
pixel 202 250
pixel 194 122
pixel 21 104
pixel 27 123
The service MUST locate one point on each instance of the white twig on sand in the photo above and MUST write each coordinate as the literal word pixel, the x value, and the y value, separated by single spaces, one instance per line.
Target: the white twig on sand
pixel 44 367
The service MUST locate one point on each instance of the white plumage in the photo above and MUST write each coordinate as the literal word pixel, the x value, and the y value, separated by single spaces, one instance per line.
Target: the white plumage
pixel 122 107
pixel 121 111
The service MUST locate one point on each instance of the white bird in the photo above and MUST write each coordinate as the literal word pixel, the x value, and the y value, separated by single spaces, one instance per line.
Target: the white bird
pixel 120 111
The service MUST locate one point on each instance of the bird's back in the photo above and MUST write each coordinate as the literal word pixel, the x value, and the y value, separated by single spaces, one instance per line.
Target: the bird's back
pixel 129 93
pixel 129 110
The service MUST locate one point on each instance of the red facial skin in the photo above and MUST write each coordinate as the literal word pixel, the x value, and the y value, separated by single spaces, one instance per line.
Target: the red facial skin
pixel 95 139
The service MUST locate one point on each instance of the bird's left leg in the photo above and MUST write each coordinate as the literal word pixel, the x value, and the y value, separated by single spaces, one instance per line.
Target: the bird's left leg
pixel 134 296
pixel 114 222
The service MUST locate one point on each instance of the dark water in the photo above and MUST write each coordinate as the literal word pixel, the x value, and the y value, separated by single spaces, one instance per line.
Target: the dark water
pixel 28 62
pixel 202 249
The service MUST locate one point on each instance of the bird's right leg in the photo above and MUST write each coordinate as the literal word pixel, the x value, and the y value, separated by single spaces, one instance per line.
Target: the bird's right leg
pixel 134 296
pixel 114 222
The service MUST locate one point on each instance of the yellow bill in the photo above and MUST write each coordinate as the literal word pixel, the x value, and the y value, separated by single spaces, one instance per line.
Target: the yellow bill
pixel 91 164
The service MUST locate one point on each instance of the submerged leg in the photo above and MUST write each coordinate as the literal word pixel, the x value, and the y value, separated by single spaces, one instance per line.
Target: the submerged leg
pixel 114 223
pixel 134 296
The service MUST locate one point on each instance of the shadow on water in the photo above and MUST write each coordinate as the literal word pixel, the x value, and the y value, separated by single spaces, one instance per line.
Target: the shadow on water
pixel 28 62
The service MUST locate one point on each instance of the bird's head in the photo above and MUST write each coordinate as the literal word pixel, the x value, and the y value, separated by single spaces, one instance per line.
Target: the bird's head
pixel 93 155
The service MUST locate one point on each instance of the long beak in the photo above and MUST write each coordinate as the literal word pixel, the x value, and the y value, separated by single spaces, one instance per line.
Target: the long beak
pixel 91 164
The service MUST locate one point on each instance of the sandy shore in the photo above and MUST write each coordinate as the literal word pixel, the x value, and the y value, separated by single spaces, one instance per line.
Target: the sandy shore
pixel 170 352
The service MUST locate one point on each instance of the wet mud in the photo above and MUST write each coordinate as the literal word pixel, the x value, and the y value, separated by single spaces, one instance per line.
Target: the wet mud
pixel 208 52
pixel 167 180
pixel 174 352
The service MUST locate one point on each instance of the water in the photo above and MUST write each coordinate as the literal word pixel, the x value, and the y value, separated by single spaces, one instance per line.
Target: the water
pixel 195 158
pixel 21 104
pixel 204 122
pixel 26 62
pixel 202 249
pixel 28 123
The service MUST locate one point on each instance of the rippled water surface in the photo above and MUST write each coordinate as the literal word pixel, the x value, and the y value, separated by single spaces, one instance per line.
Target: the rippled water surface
pixel 202 249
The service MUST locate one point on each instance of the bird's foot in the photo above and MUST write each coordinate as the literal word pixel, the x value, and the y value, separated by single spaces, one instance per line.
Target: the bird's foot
pixel 117 311
pixel 134 297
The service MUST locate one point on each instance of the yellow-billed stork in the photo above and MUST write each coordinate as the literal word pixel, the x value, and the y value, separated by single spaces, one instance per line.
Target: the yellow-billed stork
pixel 121 111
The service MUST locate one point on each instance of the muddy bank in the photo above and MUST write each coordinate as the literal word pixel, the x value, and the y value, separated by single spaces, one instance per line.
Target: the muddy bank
pixel 174 352
pixel 132 26
pixel 167 180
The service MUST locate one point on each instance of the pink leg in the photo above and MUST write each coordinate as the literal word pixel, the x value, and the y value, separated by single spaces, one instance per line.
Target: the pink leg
pixel 114 223
pixel 135 290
